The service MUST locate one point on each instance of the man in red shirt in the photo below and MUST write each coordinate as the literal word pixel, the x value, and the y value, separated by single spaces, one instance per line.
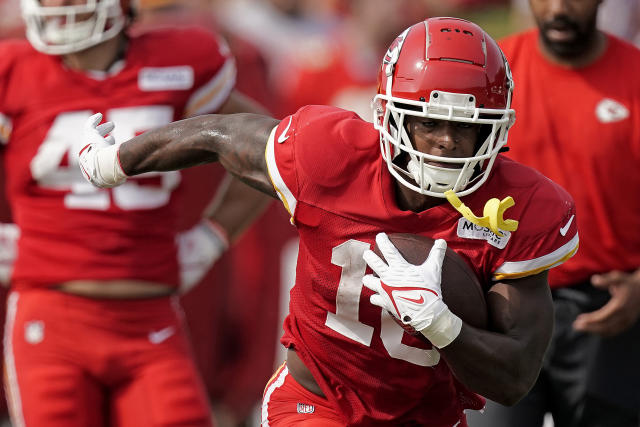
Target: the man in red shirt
pixel 442 116
pixel 578 107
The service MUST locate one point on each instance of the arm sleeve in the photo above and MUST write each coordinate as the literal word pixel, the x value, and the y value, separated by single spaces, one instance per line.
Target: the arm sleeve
pixel 311 153
pixel 547 238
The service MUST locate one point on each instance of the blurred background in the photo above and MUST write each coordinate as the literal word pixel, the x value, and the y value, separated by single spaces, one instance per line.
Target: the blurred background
pixel 290 53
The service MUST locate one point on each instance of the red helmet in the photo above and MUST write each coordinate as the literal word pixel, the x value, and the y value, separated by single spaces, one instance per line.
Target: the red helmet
pixel 446 69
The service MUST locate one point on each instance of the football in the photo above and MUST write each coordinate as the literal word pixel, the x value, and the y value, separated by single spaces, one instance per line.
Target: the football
pixel 461 289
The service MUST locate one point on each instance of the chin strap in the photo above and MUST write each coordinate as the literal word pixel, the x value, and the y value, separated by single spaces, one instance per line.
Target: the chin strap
pixel 493 213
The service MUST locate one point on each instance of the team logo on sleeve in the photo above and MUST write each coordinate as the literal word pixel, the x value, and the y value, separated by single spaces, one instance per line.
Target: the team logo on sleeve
pixel 469 230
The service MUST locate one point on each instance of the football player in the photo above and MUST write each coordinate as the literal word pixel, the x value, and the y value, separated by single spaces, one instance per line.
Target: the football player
pixel 441 118
pixel 94 330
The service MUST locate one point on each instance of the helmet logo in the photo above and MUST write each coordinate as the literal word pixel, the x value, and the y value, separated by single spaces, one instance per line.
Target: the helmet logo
pixel 391 57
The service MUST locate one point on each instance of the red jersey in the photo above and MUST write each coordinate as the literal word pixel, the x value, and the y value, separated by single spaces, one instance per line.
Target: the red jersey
pixel 70 230
pixel 581 128
pixel 325 164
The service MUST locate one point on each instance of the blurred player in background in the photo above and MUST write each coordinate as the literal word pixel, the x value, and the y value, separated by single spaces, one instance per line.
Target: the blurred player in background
pixel 340 68
pixel 348 361
pixel 94 331
pixel 235 347
pixel 578 106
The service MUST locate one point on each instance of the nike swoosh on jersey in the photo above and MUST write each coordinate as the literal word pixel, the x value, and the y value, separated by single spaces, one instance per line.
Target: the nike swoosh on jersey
pixel 282 138
pixel 156 337
pixel 565 229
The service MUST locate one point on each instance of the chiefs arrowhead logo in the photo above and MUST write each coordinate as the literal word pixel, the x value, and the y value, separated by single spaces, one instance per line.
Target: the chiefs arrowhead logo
pixel 609 111
pixel 394 50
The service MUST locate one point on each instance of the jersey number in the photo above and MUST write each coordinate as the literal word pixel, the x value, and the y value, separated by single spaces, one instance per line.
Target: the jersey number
pixel 346 321
pixel 55 165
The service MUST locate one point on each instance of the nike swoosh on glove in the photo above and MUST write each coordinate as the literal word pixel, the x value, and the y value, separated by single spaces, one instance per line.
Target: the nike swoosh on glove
pixel 98 159
pixel 412 292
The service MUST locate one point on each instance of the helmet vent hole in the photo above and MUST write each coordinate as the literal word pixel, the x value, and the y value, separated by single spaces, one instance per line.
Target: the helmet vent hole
pixel 445 30
pixel 457 30
pixel 469 33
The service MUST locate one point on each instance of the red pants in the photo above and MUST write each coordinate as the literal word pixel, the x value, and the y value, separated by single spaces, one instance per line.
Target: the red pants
pixel 286 403
pixel 74 361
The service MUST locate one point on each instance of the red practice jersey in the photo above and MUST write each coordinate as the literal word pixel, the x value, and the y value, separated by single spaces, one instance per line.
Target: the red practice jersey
pixel 69 229
pixel 581 128
pixel 326 165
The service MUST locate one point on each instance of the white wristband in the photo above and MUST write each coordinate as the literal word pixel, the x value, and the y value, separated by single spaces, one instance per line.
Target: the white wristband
pixel 108 169
pixel 444 329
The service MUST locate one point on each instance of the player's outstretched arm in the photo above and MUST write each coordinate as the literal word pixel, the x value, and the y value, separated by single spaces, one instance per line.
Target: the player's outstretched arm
pixel 237 141
pixel 503 364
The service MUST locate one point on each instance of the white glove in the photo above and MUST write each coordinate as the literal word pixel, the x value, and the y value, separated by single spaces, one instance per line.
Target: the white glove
pixel 98 159
pixel 9 234
pixel 412 292
pixel 198 249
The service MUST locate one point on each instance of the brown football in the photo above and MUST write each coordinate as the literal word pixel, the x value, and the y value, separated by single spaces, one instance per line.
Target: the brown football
pixel 461 289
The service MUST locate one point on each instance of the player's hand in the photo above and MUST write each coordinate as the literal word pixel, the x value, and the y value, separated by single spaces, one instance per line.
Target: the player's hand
pixel 412 292
pixel 620 312
pixel 98 157
pixel 9 234
pixel 198 249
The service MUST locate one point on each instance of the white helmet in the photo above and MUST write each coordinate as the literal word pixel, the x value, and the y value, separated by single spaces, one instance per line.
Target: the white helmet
pixel 59 30
pixel 445 69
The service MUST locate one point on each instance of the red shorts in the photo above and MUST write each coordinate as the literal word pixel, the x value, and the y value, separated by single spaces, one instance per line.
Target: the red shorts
pixel 74 361
pixel 286 403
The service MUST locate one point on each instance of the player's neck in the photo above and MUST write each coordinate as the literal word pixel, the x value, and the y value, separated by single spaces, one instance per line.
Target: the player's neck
pixel 597 48
pixel 409 200
pixel 97 58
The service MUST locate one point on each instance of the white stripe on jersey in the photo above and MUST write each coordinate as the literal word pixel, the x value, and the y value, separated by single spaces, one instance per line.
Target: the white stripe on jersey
pixel 281 188
pixel 210 97
pixel 268 392
pixel 13 397
pixel 5 128
pixel 517 269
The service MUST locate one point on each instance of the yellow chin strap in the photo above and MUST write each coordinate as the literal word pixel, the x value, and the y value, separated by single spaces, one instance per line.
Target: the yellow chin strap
pixel 493 213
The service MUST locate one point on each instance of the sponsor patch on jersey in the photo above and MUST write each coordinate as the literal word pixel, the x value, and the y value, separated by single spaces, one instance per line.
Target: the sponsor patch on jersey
pixel 152 79
pixel 34 331
pixel 468 230
pixel 305 408
pixel 609 111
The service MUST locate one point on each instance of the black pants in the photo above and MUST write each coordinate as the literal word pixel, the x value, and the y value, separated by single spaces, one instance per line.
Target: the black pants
pixel 586 381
